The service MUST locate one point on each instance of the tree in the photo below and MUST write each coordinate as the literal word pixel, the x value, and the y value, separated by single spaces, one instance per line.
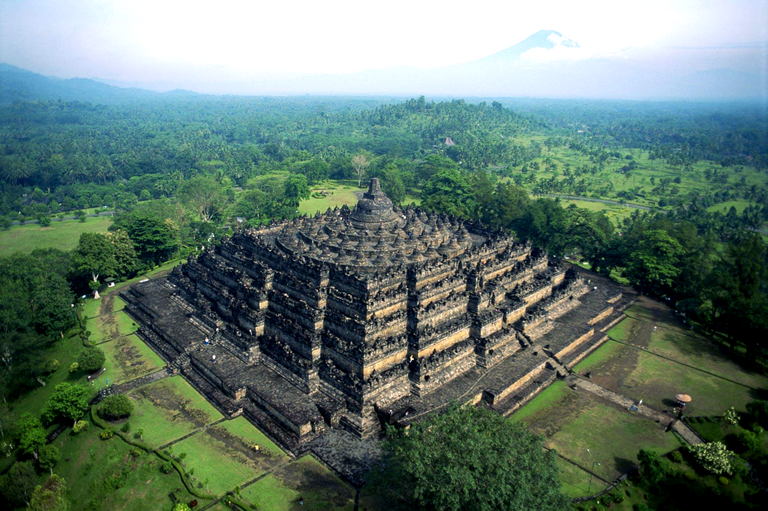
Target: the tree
pixel 296 188
pixel 68 402
pixel 17 484
pixel 360 162
pixel 126 260
pixel 49 456
pixel 50 496
pixel 90 360
pixel 472 459
pixel 653 265
pixel 94 255
pixel 204 195
pixel 449 192
pixel 155 238
pixel 116 406
pixel 31 435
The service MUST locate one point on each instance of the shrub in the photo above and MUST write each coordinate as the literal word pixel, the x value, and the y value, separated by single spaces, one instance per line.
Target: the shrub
pixel 126 427
pixel 712 457
pixel 106 434
pixel 166 468
pixel 744 442
pixel 731 417
pixel 676 456
pixel 135 452
pixel 116 406
pixel 79 426
pixel 180 506
pixel 758 410
pixel 139 433
pixel 51 366
pixel 74 367
pixel 91 360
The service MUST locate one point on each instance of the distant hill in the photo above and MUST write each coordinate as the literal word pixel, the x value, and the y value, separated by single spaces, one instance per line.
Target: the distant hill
pixel 17 84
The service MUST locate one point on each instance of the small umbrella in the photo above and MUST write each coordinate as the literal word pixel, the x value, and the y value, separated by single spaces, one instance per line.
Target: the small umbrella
pixel 684 398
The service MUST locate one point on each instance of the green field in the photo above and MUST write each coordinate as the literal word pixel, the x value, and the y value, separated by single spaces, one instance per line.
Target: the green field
pixel 108 475
pixel 169 409
pixel 127 357
pixel 64 235
pixel 333 194
pixel 247 451
pixel 304 479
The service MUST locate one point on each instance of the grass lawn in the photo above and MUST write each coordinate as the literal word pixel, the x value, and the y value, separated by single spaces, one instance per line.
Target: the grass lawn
pixel 615 212
pixel 64 235
pixel 91 308
pixel 612 435
pixel 127 357
pixel 335 194
pixel 656 381
pixel 605 352
pixel 574 481
pixel 305 478
pixel 169 409
pixel 104 475
pixel 224 456
pixel 693 349
pixel 110 326
pixel 545 399
pixel 623 330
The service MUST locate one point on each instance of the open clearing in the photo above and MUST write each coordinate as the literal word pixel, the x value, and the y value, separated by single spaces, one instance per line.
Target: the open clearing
pixel 107 475
pixel 64 235
pixel 127 357
pixel 651 357
pixel 305 478
pixel 330 194
pixel 169 409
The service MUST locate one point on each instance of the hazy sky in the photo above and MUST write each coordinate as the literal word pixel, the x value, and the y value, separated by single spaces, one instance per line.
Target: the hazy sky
pixel 151 41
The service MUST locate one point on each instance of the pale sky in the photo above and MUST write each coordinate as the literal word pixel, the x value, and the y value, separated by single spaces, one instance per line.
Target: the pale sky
pixel 145 41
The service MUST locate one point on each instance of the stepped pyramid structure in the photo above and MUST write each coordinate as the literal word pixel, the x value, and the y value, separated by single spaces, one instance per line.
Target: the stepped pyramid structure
pixel 355 318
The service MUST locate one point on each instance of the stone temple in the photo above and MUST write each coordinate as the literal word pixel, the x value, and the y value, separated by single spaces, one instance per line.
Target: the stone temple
pixel 376 315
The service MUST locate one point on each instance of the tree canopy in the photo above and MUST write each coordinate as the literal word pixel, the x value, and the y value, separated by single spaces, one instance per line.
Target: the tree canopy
pixel 470 459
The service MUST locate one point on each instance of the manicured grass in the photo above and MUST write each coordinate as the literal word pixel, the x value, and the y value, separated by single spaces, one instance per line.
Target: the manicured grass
pixel 696 350
pixel 656 381
pixel 127 357
pixel 105 475
pixel 615 212
pixel 225 455
pixel 338 194
pixel 574 481
pixel 218 471
pixel 64 235
pixel 91 308
pixel 612 435
pixel 169 409
pixel 118 304
pixel 110 326
pixel 623 330
pixel 545 399
pixel 599 356
pixel 250 434
pixel 305 478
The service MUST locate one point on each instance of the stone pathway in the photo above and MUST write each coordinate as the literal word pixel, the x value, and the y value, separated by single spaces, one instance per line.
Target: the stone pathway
pixel 608 395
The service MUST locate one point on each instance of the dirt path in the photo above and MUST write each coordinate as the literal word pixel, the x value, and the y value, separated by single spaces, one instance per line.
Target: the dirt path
pixel 107 318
